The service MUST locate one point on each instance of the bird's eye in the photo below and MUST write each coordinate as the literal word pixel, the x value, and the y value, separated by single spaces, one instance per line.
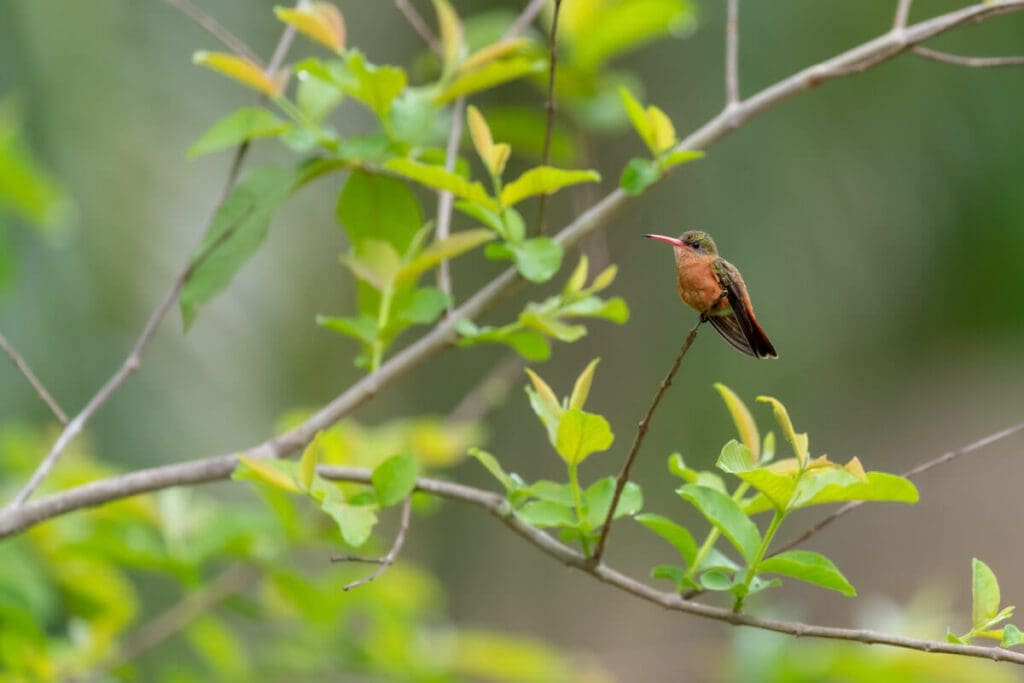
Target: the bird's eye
pixel 695 245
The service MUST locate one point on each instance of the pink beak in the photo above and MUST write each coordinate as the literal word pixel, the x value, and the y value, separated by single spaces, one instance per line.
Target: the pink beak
pixel 663 238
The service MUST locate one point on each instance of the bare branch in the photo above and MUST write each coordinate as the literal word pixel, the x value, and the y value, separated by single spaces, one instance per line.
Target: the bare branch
pixel 524 20
pixel 909 474
pixel 638 438
pixel 419 25
pixel 899 22
pixel 960 60
pixel 443 334
pixel 134 358
pixel 550 107
pixel 445 198
pixel 387 560
pixel 216 30
pixel 732 48
pixel 23 366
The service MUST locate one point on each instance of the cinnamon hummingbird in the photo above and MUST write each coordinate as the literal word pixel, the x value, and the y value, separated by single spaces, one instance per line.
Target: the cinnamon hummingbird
pixel 713 286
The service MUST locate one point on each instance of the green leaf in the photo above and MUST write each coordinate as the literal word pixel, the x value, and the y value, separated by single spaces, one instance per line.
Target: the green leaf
pixel 679 468
pixel 776 489
pixel 797 441
pixel 492 465
pixel 355 522
pixel 677 575
pixel 426 304
pixel 440 179
pixel 307 465
pixel 375 262
pixel 490 218
pixel 679 156
pixel 600 32
pixel 984 594
pixel 723 512
pixel 277 473
pixel 581 434
pixel 375 86
pixel 810 567
pixel 316 98
pixel 242 124
pixel 374 206
pixel 529 344
pixel 744 421
pixel 551 326
pixel 598 498
pixel 715 580
pixel 578 278
pixel 236 232
pixel 451 33
pixel 955 639
pixel 488 76
pixel 543 180
pixel 638 117
pixel 734 458
pixel 677 535
pixel 537 259
pixel 363 328
pixel 638 175
pixel 613 310
pixel 581 389
pixel 544 513
pixel 442 250
pixel 1011 636
pixel 880 486
pixel 395 478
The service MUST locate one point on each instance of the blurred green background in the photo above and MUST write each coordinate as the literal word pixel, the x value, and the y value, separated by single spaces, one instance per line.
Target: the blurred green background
pixel 878 222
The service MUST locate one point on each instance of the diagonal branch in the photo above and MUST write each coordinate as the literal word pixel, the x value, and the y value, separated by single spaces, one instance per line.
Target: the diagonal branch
pixel 134 359
pixel 445 198
pixel 419 25
pixel 444 333
pixel 638 438
pixel 216 30
pixel 389 559
pixel 23 366
pixel 550 107
pixel 732 48
pixel 960 60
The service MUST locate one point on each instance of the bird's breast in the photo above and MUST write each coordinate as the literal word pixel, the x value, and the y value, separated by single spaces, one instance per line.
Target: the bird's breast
pixel 698 286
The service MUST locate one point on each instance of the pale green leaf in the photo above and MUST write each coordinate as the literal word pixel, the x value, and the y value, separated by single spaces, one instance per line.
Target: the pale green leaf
pixel 440 179
pixel 810 567
pixel 442 250
pixel 492 465
pixel 723 512
pixel 488 76
pixel 680 538
pixel 582 434
pixel 797 441
pixel 984 594
pixel 744 421
pixel 395 478
pixel 543 180
pixel 544 513
pixel 243 124
pixel 355 522
pixel 581 389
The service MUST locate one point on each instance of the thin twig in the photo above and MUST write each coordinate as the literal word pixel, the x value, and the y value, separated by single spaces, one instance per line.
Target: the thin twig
pixel 524 19
pixel 134 359
pixel 216 30
pixel 732 48
pixel 960 60
pixel 419 25
pixel 550 106
pixel 489 392
pixel 638 438
pixel 392 555
pixel 23 366
pixel 444 333
pixel 899 22
pixel 909 474
pixel 445 198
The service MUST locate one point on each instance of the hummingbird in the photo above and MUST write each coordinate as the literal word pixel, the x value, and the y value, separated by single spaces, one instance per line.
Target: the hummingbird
pixel 713 286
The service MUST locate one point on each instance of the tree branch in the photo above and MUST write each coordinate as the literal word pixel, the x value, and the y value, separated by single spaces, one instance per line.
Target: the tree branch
pixel 909 474
pixel 445 198
pixel 899 22
pixel 638 438
pixel 732 48
pixel 23 366
pixel 524 19
pixel 419 25
pixel 389 559
pixel 549 113
pixel 960 60
pixel 216 30
pixel 444 334
pixel 134 358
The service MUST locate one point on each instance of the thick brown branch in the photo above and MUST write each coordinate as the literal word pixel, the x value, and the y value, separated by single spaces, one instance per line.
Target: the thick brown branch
pixel 638 438
pixel 389 559
pixel 23 366
pixel 961 60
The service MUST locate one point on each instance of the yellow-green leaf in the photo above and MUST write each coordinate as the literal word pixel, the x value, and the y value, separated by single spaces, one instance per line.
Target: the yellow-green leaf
pixel 494 156
pixel 582 434
pixel 543 180
pixel 268 474
pixel 743 420
pixel 984 594
pixel 451 33
pixel 581 389
pixel 442 250
pixel 321 21
pixel 547 396
pixel 492 52
pixel 375 262
pixel 578 278
pixel 488 76
pixel 799 442
pixel 242 70
pixel 663 132
pixel 604 279
pixel 441 179
pixel 307 465
pixel 638 117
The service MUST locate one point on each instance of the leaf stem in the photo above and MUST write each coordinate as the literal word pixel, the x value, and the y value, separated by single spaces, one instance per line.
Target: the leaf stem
pixel 769 534
pixel 577 501
pixel 712 536
pixel 383 318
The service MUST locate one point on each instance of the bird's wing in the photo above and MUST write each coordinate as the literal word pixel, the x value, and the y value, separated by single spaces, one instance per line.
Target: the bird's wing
pixel 740 329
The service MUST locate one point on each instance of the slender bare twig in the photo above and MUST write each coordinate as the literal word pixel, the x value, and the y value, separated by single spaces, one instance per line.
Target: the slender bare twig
pixel 134 359
pixel 961 60
pixel 23 366
pixel 444 333
pixel 909 474
pixel 419 25
pixel 550 106
pixel 489 392
pixel 638 438
pixel 180 615
pixel 445 198
pixel 732 48
pixel 216 30
pixel 389 559
pixel 524 19
pixel 899 22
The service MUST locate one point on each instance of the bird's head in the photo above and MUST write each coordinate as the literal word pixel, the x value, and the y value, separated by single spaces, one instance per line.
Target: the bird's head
pixel 695 242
